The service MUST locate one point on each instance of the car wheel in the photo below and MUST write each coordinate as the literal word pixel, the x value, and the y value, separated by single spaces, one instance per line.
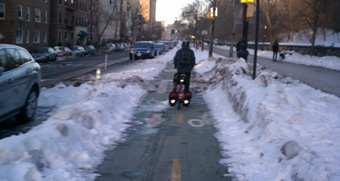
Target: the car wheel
pixel 28 111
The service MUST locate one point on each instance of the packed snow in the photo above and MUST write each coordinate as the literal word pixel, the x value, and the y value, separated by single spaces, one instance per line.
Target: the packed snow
pixel 270 128
pixel 329 62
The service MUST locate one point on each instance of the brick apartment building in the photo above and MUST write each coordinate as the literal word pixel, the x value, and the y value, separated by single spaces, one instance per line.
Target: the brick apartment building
pixel 25 22
pixel 70 22
pixel 37 23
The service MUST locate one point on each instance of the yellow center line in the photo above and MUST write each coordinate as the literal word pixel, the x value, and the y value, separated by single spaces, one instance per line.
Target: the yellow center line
pixel 176 170
pixel 180 118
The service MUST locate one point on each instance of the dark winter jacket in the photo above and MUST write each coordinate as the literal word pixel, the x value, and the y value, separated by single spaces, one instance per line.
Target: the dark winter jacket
pixel 184 68
pixel 275 46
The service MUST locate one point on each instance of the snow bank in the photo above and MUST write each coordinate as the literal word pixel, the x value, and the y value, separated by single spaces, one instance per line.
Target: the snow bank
pixel 84 121
pixel 272 128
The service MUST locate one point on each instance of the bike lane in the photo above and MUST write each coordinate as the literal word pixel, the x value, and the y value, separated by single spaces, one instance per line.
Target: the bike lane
pixel 164 143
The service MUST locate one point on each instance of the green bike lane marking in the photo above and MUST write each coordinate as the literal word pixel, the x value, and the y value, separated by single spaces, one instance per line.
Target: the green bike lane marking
pixel 166 144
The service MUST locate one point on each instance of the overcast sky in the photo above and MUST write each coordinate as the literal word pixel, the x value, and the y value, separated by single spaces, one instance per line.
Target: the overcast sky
pixel 169 10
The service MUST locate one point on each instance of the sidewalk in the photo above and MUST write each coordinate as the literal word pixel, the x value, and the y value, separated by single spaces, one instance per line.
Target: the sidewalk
pixel 164 143
pixel 323 79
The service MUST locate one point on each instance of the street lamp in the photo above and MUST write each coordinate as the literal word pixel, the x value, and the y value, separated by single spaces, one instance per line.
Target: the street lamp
pixel 212 15
pixel 243 52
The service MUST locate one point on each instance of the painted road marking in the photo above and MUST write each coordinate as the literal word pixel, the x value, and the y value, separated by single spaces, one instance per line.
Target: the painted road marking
pixel 180 118
pixel 196 123
pixel 176 170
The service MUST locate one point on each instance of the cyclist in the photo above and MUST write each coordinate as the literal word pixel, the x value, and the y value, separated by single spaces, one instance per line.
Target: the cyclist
pixel 184 62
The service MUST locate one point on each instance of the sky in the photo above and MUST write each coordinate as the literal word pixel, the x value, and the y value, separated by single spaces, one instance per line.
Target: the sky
pixel 169 10
pixel 288 132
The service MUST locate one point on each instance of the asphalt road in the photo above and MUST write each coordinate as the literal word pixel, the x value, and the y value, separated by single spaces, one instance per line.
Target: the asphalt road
pixel 54 72
pixel 166 145
pixel 319 78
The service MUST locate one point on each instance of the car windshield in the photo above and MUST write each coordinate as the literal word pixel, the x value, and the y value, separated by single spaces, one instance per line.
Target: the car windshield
pixel 158 45
pixel 141 45
pixel 41 50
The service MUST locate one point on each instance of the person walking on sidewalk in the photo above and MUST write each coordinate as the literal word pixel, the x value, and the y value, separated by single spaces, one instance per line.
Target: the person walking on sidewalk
pixel 275 50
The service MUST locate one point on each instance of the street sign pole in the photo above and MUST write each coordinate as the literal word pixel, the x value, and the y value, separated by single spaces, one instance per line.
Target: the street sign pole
pixel 256 36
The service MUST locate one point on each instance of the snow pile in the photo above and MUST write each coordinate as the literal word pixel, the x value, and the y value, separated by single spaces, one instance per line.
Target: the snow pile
pixel 273 128
pixel 85 120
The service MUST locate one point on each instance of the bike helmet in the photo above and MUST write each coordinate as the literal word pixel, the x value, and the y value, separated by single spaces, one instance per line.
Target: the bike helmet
pixel 185 44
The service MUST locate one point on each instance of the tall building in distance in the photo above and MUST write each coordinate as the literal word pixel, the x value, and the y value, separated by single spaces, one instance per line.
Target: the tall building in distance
pixel 144 9
pixel 148 10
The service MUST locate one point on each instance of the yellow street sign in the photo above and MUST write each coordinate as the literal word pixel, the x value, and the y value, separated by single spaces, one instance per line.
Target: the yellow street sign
pixel 247 1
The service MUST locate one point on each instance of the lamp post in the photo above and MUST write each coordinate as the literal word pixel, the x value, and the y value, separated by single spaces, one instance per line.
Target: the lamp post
pixel 256 36
pixel 212 15
pixel 244 43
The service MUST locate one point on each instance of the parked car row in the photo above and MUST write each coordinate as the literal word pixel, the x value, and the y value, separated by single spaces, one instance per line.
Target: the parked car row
pixel 45 54
pixel 112 47
pixel 149 49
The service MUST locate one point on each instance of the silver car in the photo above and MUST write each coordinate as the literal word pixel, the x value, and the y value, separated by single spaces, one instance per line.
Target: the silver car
pixel 19 83
pixel 44 54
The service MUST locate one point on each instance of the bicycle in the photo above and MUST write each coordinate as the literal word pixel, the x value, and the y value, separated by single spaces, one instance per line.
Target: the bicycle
pixel 180 96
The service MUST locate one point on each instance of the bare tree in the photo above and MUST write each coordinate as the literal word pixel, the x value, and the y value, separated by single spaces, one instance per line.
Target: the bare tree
pixel 104 17
pixel 191 13
pixel 312 11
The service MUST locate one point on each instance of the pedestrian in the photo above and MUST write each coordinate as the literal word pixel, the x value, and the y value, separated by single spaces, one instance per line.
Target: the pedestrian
pixel 275 50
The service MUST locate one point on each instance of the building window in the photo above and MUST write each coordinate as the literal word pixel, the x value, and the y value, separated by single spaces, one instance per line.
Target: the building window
pixel 20 11
pixel 2 11
pixel 36 36
pixel 60 2
pixel 28 16
pixel 27 36
pixel 45 16
pixel 45 1
pixel 59 18
pixel 65 19
pixel 45 36
pixel 19 36
pixel 59 36
pixel 37 15
pixel 65 36
pixel 72 36
pixel 66 2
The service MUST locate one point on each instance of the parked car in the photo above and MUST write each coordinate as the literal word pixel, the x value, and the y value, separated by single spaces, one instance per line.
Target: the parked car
pixel 167 45
pixel 62 52
pixel 44 54
pixel 111 47
pixel 142 49
pixel 78 51
pixel 119 47
pixel 158 48
pixel 90 49
pixel 19 83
